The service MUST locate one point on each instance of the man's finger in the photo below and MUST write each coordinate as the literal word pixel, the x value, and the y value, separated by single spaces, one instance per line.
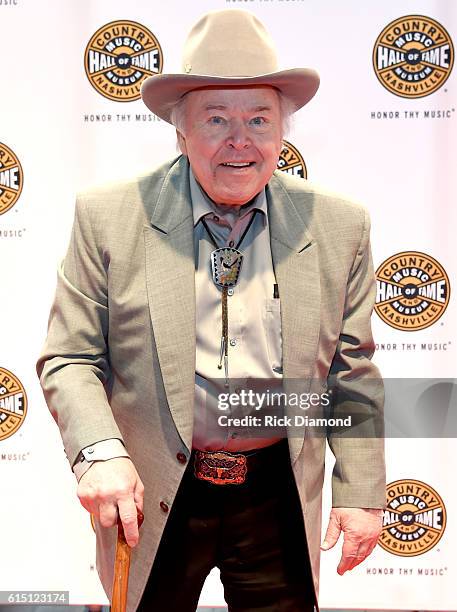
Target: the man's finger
pixel 332 534
pixel 348 553
pixel 365 549
pixel 138 495
pixel 355 554
pixel 87 505
pixel 128 516
pixel 107 514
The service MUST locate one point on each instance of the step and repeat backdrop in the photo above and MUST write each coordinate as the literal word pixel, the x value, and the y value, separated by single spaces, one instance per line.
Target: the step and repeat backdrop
pixel 382 129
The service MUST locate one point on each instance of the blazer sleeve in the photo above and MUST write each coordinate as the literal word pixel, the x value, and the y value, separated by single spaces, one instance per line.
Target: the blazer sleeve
pixel 358 478
pixel 74 367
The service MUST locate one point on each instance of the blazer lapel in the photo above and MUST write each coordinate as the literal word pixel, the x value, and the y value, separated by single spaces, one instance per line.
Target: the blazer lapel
pixel 170 274
pixel 295 259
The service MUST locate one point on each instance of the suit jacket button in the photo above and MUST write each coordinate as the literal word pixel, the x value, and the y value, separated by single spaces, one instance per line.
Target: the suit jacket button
pixel 164 506
pixel 181 457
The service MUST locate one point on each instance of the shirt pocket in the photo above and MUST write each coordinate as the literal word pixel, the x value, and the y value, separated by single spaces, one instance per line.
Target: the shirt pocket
pixel 272 326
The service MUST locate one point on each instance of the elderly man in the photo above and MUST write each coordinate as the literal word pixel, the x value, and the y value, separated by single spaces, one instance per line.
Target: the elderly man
pixel 214 268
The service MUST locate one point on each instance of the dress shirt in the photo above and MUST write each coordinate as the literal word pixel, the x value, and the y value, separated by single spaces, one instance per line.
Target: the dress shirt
pixel 254 327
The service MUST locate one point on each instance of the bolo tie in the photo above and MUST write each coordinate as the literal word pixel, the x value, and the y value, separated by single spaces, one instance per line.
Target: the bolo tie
pixel 225 267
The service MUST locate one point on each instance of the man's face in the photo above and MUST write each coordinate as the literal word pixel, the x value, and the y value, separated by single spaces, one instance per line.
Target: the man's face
pixel 232 138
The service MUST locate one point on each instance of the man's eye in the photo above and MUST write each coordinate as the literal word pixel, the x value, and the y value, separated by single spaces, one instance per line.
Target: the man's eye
pixel 217 120
pixel 258 121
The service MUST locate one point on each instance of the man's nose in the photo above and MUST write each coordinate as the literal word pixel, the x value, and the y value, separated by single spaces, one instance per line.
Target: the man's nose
pixel 238 137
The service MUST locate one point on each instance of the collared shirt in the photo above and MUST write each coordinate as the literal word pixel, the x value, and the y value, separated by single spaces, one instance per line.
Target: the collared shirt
pixel 254 328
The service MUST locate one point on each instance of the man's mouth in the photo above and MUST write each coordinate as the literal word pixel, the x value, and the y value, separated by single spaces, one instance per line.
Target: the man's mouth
pixel 238 164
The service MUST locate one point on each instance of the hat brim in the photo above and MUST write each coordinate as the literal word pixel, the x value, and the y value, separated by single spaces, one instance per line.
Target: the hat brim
pixel 162 91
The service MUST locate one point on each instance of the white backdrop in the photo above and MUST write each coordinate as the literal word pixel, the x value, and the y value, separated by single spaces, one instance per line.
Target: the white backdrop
pixel 396 154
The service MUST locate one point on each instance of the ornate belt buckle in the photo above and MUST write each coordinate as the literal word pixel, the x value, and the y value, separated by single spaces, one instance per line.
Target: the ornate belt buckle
pixel 220 467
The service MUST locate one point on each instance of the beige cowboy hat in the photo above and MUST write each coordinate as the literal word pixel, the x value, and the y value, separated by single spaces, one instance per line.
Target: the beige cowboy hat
pixel 228 48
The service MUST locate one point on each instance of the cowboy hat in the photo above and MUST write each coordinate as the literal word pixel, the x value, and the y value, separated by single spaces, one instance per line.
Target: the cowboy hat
pixel 228 48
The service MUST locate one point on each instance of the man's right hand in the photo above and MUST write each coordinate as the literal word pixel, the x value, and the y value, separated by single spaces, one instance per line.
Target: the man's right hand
pixel 113 486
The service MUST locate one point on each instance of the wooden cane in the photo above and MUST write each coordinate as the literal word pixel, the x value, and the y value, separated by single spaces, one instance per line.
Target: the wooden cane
pixel 121 568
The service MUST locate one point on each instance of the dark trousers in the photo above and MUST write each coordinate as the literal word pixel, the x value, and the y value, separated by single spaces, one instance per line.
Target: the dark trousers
pixel 253 532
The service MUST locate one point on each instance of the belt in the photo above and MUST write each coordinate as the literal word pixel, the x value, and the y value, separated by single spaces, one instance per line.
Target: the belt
pixel 223 468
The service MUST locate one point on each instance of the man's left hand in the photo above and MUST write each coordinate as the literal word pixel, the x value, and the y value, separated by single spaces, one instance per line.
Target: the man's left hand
pixel 361 527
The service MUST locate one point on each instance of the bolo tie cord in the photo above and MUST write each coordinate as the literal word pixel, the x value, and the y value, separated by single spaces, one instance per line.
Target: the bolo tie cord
pixel 223 356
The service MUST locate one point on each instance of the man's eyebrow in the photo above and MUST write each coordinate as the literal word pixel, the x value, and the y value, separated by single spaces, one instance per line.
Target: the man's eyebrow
pixel 255 109
pixel 209 107
pixel 261 109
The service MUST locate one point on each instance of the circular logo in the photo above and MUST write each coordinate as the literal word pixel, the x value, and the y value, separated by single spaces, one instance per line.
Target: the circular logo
pixel 413 291
pixel 414 520
pixel 413 56
pixel 11 179
pixel 291 160
pixel 119 57
pixel 13 404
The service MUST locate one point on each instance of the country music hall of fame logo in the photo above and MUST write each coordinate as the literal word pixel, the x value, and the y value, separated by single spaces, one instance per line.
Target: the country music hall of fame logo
pixel 414 519
pixel 413 291
pixel 13 403
pixel 413 56
pixel 119 57
pixel 11 178
pixel 291 160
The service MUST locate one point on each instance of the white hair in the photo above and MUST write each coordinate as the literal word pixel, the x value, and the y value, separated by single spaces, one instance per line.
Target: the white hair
pixel 287 109
pixel 286 106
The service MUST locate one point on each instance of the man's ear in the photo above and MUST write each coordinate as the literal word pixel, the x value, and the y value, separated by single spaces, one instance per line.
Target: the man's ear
pixel 181 142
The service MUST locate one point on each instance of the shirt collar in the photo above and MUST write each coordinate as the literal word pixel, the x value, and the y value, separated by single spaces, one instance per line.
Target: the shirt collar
pixel 203 205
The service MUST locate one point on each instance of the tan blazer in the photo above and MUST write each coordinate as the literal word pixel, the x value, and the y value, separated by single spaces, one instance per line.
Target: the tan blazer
pixel 119 359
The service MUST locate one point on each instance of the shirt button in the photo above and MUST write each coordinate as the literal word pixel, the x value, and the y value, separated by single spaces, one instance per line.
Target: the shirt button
pixel 230 292
pixel 164 506
pixel 233 342
pixel 90 450
pixel 231 243
pixel 181 457
pixel 216 218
